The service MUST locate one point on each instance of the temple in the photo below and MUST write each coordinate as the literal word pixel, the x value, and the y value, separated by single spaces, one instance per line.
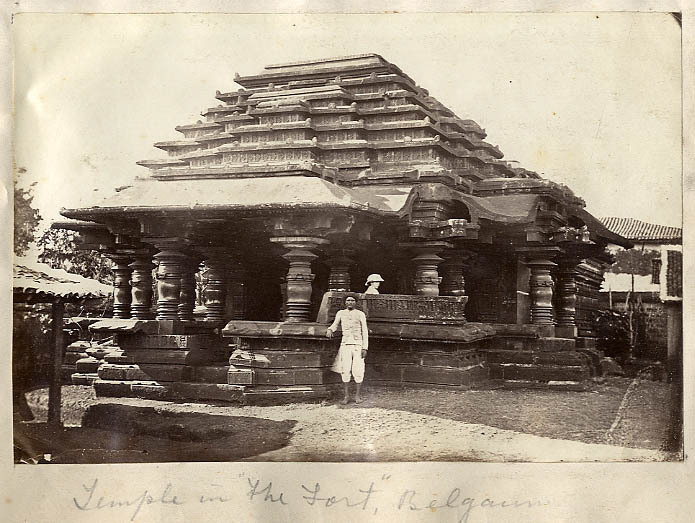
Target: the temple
pixel 288 194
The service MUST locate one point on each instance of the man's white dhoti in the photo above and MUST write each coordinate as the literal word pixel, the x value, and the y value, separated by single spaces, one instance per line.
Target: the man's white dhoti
pixel 349 360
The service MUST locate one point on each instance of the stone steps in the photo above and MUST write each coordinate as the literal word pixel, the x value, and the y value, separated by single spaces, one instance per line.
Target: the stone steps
pixel 237 394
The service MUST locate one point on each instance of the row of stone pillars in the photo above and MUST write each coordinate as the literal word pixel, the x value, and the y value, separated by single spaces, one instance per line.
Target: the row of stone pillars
pixel 176 269
pixel 175 279
pixel 542 286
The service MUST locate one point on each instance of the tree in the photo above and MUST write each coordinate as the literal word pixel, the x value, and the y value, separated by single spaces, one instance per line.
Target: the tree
pixel 26 218
pixel 59 249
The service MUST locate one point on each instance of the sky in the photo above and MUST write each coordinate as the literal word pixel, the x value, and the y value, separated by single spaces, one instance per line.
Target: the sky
pixel 590 100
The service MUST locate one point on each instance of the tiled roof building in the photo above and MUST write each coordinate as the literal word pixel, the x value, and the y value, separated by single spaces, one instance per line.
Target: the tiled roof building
pixel 637 230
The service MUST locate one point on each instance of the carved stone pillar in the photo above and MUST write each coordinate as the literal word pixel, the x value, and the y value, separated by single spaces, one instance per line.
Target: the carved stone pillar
pixel 299 275
pixel 169 272
pixel 567 298
pixel 426 262
pixel 453 281
pixel 141 307
pixel 339 276
pixel 122 297
pixel 541 284
pixel 187 296
pixel 216 285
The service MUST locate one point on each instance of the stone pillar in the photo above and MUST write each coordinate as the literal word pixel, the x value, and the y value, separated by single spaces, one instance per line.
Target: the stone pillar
pixel 299 276
pixel 453 281
pixel 541 284
pixel 141 306
pixel 169 273
pixel 567 299
pixel 339 276
pixel 122 296
pixel 216 285
pixel 187 296
pixel 426 262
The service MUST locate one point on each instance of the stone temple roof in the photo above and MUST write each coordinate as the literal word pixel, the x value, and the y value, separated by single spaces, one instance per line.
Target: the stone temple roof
pixel 352 132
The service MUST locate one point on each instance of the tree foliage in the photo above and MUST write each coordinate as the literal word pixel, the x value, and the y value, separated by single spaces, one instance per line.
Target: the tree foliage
pixel 59 250
pixel 26 219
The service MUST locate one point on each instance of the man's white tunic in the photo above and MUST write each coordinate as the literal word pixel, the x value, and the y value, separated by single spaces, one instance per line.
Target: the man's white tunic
pixel 355 338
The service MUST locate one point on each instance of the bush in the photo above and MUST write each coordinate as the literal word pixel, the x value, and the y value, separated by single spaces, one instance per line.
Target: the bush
pixel 612 330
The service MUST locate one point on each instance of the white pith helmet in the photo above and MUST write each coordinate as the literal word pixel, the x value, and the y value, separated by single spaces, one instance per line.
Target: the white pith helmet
pixel 373 277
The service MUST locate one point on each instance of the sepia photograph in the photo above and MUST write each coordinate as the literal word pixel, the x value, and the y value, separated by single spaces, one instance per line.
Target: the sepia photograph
pixel 312 238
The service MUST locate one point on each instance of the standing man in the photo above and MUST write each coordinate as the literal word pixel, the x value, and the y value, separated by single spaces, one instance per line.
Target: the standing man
pixel 353 346
pixel 373 282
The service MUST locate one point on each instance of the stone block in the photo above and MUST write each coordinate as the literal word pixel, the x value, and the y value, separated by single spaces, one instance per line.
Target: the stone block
pixel 379 357
pixel 239 376
pixel 284 395
pixel 112 388
pixel 80 378
pixel 386 372
pixel 556 344
pixel 210 374
pixel 88 364
pixel 434 375
pixel 209 391
pixel 146 372
pixel 169 341
pixel 117 357
pixel 280 360
pixel 175 356
pixel 534 357
pixel 99 351
pixel 150 391
pixel 513 371
pixel 316 376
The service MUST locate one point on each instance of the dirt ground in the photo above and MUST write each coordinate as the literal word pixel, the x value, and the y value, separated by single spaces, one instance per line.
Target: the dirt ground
pixel 618 420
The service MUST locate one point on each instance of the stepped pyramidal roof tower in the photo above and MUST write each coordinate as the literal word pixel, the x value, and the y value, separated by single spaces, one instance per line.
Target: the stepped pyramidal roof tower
pixel 302 182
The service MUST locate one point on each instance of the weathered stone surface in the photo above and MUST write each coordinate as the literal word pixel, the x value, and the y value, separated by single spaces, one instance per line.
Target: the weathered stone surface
pixel 150 391
pixel 169 341
pixel 210 374
pixel 295 376
pixel 110 371
pixel 172 356
pixel 435 375
pixel 313 334
pixel 289 394
pixel 556 344
pixel 239 376
pixel 87 365
pixel 277 359
pixel 112 388
pixel 209 391
pixel 384 372
pixel 99 351
pixel 515 371
pixel 82 378
pixel 397 307
pixel 535 357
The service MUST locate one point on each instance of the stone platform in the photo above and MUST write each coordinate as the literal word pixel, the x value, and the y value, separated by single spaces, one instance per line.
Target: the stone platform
pixel 255 362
